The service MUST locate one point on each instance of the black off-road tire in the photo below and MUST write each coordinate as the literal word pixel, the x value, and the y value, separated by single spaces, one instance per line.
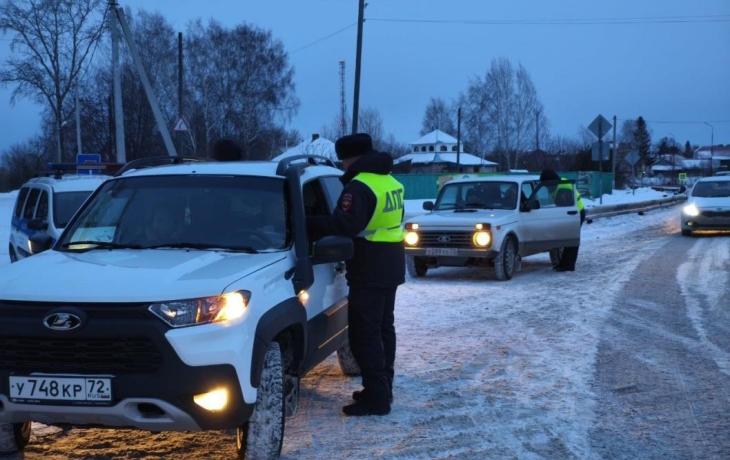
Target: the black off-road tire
pixel 506 262
pixel 348 365
pixel 14 437
pixel 416 266
pixel 262 436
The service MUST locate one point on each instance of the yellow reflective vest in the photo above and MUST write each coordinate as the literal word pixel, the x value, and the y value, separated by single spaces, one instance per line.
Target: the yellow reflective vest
pixel 385 224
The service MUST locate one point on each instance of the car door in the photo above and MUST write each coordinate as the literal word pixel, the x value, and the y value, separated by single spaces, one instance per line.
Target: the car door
pixel 16 222
pixel 551 218
pixel 24 233
pixel 327 304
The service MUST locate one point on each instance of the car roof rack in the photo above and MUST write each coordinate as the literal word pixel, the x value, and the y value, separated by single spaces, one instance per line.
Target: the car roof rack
pixel 150 162
pixel 312 160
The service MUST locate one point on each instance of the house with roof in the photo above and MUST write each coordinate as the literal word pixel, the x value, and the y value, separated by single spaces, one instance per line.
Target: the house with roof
pixel 437 152
pixel 668 167
pixel 316 145
pixel 718 154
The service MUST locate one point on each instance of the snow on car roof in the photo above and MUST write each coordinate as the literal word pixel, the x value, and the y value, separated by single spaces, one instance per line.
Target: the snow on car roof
pixel 503 178
pixel 235 168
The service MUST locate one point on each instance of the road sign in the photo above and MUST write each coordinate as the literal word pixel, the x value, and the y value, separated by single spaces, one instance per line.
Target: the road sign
pixel 632 157
pixel 180 125
pixel 600 126
pixel 683 177
pixel 605 147
pixel 85 158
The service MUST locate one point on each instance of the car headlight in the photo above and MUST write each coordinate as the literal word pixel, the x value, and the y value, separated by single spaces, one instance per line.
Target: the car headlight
pixel 191 312
pixel 691 210
pixel 411 238
pixel 482 239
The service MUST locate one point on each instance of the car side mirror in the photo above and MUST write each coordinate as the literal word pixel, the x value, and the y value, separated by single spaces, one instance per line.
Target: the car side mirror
pixel 37 224
pixel 40 242
pixel 428 205
pixel 332 249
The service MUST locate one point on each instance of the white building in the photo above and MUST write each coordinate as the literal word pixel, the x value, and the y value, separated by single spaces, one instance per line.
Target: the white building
pixel 437 152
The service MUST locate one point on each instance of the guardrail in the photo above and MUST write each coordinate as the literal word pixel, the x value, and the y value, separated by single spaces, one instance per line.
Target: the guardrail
pixel 600 212
pixel 611 210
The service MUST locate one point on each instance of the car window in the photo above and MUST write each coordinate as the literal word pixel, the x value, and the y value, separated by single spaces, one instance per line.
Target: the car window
pixel 30 204
pixel 315 201
pixel 202 211
pixel 526 192
pixel 711 189
pixel 22 195
pixel 333 189
pixel 65 205
pixel 41 211
pixel 478 195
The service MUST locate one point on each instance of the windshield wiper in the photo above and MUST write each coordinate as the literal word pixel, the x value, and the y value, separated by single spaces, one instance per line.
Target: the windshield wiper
pixel 202 246
pixel 101 245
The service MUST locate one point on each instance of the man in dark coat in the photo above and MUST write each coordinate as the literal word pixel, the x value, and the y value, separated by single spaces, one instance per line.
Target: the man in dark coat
pixel 370 209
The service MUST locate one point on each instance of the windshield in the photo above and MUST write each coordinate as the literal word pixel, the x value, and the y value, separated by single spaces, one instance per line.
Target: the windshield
pixel 477 195
pixel 194 212
pixel 712 189
pixel 65 205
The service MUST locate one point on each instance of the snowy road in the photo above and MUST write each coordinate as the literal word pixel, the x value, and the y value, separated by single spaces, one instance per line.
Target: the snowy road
pixel 625 358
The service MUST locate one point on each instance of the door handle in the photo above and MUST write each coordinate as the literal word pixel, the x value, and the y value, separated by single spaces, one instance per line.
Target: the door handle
pixel 572 213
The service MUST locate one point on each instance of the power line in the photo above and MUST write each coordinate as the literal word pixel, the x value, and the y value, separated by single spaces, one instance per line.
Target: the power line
pixel 324 38
pixel 677 122
pixel 565 21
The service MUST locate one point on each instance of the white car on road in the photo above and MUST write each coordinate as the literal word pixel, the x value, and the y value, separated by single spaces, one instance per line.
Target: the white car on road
pixel 708 205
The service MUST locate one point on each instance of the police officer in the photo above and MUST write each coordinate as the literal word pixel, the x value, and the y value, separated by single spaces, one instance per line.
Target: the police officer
pixel 370 210
pixel 570 254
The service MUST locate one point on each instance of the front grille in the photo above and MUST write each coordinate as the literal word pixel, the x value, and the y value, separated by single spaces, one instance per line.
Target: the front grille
pixel 446 239
pixel 115 355
pixel 715 213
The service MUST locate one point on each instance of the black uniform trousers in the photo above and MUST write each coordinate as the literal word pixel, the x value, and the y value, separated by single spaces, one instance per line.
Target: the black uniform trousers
pixel 371 325
pixel 570 254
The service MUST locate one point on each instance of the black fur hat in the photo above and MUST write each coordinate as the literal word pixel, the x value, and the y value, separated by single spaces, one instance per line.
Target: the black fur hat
pixel 548 175
pixel 353 145
pixel 227 150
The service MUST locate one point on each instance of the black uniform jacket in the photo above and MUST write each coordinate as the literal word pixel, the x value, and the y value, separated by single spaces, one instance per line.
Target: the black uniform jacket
pixel 374 264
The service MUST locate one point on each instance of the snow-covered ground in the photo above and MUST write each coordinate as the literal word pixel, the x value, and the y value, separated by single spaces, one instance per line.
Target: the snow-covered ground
pixel 484 369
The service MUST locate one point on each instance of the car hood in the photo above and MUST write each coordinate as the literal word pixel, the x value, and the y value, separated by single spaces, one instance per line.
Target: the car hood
pixel 710 202
pixel 127 275
pixel 465 218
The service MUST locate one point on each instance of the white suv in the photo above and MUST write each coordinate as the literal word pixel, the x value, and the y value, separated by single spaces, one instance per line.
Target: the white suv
pixel 493 220
pixel 46 204
pixel 180 297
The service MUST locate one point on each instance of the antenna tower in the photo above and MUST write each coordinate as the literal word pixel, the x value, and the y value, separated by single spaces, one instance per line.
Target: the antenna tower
pixel 343 104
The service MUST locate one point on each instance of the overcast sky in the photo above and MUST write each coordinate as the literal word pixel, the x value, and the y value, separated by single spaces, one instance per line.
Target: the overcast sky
pixel 671 66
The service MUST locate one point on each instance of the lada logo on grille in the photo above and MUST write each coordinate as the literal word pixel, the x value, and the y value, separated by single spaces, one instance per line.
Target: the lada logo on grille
pixel 62 321
pixel 444 239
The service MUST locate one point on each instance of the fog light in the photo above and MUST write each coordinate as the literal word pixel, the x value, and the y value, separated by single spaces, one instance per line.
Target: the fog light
pixel 213 400
pixel 303 297
pixel 411 238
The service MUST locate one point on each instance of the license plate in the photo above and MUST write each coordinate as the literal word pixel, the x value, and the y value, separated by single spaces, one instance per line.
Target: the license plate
pixel 442 252
pixel 51 389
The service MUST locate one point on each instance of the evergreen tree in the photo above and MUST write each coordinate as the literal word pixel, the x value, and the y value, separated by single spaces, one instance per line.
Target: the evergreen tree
pixel 642 141
pixel 688 152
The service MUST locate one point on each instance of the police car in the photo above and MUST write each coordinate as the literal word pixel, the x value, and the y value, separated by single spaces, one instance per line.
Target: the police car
pixel 493 221
pixel 202 305
pixel 46 204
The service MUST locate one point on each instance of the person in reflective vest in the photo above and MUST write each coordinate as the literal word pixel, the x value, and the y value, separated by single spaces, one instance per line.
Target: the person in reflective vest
pixel 370 209
pixel 570 254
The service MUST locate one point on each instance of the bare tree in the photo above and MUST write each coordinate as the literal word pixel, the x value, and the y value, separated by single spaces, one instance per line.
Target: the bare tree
pixel 371 122
pixel 503 113
pixel 439 115
pixel 23 161
pixel 52 42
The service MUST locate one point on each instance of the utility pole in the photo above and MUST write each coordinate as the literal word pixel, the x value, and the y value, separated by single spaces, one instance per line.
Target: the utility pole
pixel 161 124
pixel 358 60
pixel 180 86
pixel 458 139
pixel 537 130
pixel 78 118
pixel 712 147
pixel 613 155
pixel 117 84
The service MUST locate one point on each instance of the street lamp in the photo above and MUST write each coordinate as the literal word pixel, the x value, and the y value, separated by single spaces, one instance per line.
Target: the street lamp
pixel 712 143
